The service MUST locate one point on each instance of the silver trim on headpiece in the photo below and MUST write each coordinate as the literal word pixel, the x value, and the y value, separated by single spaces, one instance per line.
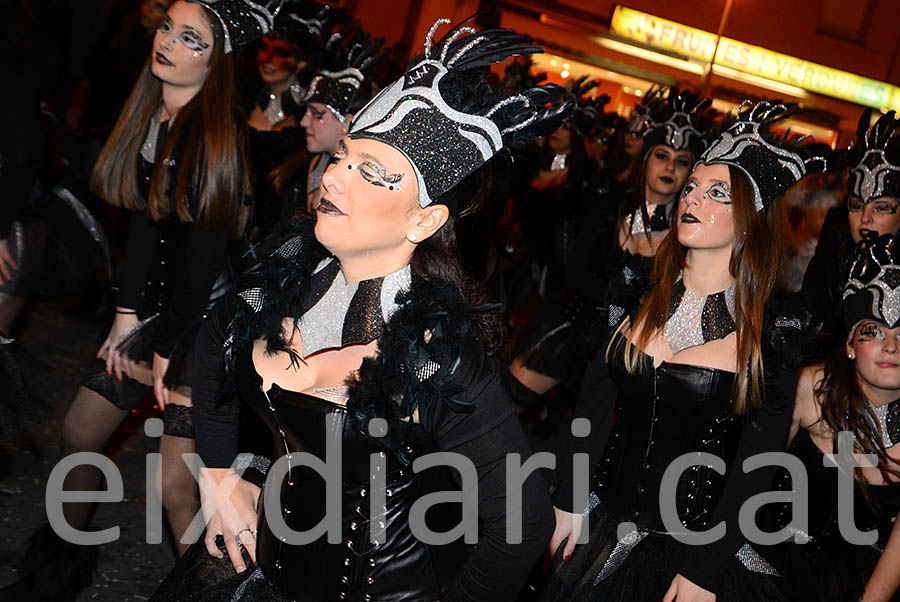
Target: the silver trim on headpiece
pixel 744 134
pixel 884 287
pixel 871 174
pixel 242 20
pixel 443 145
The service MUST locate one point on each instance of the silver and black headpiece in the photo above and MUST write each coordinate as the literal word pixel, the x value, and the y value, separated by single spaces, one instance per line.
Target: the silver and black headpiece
pixel 877 171
pixel 347 61
pixel 873 290
pixel 681 123
pixel 587 109
pixel 443 114
pixel 641 116
pixel 306 25
pixel 771 164
pixel 243 20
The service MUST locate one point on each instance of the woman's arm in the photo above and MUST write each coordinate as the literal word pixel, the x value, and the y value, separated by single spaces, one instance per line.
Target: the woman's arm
pixel 216 406
pixel 141 253
pixel 496 570
pixel 200 263
pixel 885 579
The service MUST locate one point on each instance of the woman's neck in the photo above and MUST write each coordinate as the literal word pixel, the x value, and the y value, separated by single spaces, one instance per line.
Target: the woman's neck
pixel 279 87
pixel 365 267
pixel 174 98
pixel 878 396
pixel 654 198
pixel 708 271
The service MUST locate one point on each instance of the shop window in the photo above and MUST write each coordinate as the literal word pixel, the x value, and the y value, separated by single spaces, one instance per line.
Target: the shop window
pixel 844 19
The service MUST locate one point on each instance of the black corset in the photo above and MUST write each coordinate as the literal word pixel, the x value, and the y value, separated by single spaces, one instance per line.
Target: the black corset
pixel 877 514
pixel 674 410
pixel 400 568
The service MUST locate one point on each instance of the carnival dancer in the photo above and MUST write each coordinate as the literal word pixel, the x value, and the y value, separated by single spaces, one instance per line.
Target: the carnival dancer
pixel 365 337
pixel 854 391
pixel 702 361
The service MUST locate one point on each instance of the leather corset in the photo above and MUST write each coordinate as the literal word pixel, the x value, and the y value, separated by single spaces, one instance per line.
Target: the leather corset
pixel 823 498
pixel 674 410
pixel 401 568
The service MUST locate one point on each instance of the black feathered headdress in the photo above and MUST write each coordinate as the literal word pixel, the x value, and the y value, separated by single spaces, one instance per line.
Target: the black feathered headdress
pixel 877 171
pixel 587 109
pixel 641 116
pixel 243 20
pixel 445 118
pixel 873 290
pixel 681 123
pixel 771 164
pixel 306 25
pixel 349 58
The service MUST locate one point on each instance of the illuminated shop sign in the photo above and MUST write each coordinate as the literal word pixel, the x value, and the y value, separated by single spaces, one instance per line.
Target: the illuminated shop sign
pixel 695 43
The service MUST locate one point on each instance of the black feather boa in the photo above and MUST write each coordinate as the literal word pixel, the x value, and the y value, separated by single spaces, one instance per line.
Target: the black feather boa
pixel 425 354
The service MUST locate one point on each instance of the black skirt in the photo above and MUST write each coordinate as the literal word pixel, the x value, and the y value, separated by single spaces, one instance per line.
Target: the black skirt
pixel 602 571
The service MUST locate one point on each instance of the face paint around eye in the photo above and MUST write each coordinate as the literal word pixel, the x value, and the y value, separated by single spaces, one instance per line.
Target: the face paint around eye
pixel 719 192
pixel 886 208
pixel 377 176
pixel 870 331
pixel 855 205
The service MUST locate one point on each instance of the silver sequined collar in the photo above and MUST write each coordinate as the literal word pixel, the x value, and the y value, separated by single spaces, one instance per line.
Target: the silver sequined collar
pixel 148 149
pixel 888 416
pixel 344 314
pixel 695 320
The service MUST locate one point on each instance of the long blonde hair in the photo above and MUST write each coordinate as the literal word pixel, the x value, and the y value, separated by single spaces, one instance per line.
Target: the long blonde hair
pixel 755 265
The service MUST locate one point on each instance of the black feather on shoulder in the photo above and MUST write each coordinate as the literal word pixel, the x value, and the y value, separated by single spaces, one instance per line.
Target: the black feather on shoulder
pixel 420 353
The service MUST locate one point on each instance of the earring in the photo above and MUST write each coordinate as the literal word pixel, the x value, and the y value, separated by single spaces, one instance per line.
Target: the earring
pixel 411 237
pixel 850 356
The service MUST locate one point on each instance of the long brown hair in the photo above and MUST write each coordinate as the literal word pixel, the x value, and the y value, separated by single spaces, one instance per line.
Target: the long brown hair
pixel 755 265
pixel 212 178
pixel 635 198
pixel 845 408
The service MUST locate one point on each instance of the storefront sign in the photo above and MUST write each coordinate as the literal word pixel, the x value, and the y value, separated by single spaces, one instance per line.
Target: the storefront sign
pixel 698 44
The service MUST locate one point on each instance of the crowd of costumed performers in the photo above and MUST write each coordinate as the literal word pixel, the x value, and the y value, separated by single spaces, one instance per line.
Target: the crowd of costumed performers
pixel 314 252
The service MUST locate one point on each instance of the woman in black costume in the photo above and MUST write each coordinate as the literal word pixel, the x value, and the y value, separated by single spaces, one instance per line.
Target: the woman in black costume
pixel 856 391
pixel 557 344
pixel 285 58
pixel 364 338
pixel 872 209
pixel 176 160
pixel 702 361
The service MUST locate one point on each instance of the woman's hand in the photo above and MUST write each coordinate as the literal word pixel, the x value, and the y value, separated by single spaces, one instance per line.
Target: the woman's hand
pixel 568 525
pixel 229 505
pixel 117 362
pixel 160 365
pixel 8 265
pixel 684 590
